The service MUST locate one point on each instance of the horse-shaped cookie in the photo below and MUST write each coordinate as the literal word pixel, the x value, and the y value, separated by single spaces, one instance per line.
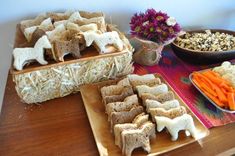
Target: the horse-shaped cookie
pixel 98 19
pixel 156 90
pixel 127 104
pixel 78 19
pixel 56 33
pixel 134 77
pixel 163 97
pixel 83 28
pixel 59 16
pixel 125 116
pixel 62 48
pixel 24 55
pixel 127 45
pixel 116 93
pixel 136 123
pixel 88 15
pixel 171 113
pixel 148 80
pixel 46 25
pixel 114 89
pixel 122 93
pixel 68 43
pixel 102 40
pixel 149 83
pixel 184 122
pixel 166 105
pixel 133 139
pixel 32 22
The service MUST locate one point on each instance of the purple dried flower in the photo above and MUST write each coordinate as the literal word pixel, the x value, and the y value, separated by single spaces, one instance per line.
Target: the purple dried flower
pixel 152 25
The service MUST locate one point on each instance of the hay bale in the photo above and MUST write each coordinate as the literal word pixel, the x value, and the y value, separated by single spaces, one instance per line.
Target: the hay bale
pixel 59 81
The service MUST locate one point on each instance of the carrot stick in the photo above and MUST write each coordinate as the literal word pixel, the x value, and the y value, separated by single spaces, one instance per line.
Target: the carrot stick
pixel 205 79
pixel 208 89
pixel 226 86
pixel 215 99
pixel 224 91
pixel 203 84
pixel 231 102
pixel 220 94
pixel 197 83
pixel 214 73
pixel 215 80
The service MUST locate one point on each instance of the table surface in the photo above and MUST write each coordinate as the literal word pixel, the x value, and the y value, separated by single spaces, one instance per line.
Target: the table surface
pixel 61 127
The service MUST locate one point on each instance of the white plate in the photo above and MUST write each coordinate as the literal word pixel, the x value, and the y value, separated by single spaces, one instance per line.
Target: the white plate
pixel 222 109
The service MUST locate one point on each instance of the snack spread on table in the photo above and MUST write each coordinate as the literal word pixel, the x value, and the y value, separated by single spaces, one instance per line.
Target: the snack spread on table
pixel 218 84
pixel 129 118
pixel 137 107
pixel 206 41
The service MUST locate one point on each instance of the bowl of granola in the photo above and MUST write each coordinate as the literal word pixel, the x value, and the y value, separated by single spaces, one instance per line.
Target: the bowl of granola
pixel 205 46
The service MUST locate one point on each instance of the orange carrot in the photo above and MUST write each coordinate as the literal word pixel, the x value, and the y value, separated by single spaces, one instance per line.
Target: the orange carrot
pixel 215 99
pixel 197 83
pixel 208 89
pixel 231 102
pixel 220 94
pixel 205 79
pixel 215 80
pixel 224 91
pixel 216 88
pixel 199 79
pixel 227 87
pixel 213 73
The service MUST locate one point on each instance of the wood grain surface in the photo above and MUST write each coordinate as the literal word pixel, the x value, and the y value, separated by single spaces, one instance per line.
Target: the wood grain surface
pixel 60 127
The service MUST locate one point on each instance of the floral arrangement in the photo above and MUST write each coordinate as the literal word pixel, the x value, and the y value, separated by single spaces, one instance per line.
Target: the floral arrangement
pixel 154 26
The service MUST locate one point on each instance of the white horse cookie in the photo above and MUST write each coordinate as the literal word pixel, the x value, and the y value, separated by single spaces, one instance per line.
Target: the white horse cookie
pixel 78 19
pixel 97 19
pixel 148 80
pixel 102 40
pixel 166 105
pixel 184 122
pixel 24 55
pixel 134 77
pixel 127 45
pixel 83 28
pixel 156 90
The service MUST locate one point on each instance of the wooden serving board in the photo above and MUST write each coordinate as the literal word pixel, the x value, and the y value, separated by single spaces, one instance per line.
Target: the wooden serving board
pixel 101 128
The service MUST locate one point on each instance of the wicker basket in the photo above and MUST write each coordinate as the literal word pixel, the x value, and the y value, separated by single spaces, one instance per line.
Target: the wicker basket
pixel 37 83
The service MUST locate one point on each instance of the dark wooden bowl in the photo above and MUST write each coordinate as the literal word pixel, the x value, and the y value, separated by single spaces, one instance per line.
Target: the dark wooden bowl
pixel 204 57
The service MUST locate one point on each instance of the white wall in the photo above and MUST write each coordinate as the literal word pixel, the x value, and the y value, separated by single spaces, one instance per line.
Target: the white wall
pixel 189 13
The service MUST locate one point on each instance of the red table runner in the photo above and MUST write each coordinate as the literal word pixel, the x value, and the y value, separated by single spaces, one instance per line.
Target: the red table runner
pixel 176 72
